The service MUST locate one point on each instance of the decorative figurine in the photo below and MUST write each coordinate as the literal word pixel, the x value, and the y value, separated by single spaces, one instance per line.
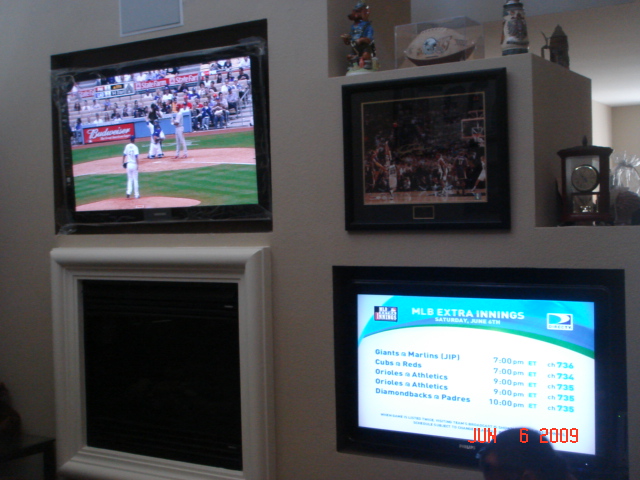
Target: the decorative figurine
pixel 514 29
pixel 558 46
pixel 363 59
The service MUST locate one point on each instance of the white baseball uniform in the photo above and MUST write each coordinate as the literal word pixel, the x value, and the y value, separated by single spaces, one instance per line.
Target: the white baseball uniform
pixel 155 149
pixel 179 123
pixel 152 146
pixel 131 153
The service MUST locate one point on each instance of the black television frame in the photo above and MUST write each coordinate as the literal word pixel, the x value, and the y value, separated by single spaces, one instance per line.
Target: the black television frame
pixel 603 286
pixel 240 40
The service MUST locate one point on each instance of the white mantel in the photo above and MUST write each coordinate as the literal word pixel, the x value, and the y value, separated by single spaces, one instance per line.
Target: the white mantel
pixel 249 267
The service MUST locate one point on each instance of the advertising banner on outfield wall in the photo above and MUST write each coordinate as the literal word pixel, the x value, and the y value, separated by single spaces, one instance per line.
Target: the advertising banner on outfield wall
pixel 108 133
pixel 132 87
pixel 187 79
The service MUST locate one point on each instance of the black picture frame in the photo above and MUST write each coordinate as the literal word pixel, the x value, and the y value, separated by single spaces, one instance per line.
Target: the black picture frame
pixel 427 132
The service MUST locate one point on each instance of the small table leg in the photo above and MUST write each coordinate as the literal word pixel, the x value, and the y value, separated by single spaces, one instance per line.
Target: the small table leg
pixel 49 461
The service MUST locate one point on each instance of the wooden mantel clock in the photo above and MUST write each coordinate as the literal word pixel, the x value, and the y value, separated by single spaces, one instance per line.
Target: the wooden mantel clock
pixel 585 185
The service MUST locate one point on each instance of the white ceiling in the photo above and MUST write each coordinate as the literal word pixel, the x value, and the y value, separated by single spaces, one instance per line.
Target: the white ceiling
pixel 604 37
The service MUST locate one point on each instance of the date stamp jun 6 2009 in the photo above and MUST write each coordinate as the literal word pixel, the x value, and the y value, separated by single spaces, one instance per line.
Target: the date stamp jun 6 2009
pixel 545 435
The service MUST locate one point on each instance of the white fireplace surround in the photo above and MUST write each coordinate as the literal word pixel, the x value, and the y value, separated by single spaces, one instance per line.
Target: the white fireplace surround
pixel 249 267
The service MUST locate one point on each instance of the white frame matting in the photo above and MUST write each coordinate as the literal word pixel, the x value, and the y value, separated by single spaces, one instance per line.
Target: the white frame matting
pixel 249 267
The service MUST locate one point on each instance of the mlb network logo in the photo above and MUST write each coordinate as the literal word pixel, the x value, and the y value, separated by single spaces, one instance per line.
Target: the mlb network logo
pixel 385 314
pixel 559 321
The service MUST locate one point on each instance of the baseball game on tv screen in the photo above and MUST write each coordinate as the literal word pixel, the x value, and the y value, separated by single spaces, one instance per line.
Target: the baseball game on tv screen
pixel 164 138
pixel 166 130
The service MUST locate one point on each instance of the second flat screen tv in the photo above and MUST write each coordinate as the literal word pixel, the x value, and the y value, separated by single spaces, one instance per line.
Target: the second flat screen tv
pixel 432 363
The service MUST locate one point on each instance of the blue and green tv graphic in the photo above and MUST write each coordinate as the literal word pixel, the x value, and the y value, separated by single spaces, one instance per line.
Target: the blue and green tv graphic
pixel 445 366
pixel 566 323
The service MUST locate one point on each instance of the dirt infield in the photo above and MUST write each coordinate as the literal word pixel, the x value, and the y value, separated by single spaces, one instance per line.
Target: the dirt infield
pixel 196 158
pixel 142 202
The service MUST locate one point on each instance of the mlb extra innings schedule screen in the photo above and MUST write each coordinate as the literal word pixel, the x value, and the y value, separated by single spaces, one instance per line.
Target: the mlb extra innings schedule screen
pixel 446 366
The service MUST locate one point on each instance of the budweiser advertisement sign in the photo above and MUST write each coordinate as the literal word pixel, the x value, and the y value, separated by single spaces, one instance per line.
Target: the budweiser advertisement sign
pixel 108 133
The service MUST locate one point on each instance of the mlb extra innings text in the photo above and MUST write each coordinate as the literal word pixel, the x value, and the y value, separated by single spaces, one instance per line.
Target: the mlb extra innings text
pixel 449 315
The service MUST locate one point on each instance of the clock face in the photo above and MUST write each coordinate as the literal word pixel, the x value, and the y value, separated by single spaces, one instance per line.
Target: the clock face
pixel 584 178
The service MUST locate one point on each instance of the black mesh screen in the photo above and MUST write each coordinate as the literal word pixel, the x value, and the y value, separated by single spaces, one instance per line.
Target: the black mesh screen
pixel 163 371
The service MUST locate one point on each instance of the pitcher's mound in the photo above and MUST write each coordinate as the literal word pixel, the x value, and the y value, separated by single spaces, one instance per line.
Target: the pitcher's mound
pixel 142 202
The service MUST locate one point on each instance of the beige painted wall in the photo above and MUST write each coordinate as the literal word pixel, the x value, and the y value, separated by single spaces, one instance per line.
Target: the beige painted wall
pixel 626 129
pixel 602 126
pixel 308 235
pixel 626 133
pixel 601 40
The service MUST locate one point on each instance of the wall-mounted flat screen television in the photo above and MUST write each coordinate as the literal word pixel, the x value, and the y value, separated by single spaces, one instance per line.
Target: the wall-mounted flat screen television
pixel 173 130
pixel 432 363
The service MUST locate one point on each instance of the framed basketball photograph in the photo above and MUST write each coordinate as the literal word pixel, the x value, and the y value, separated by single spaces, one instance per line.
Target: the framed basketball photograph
pixel 427 153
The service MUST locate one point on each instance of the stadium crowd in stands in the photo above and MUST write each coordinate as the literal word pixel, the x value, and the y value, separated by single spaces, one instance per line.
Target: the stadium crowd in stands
pixel 223 89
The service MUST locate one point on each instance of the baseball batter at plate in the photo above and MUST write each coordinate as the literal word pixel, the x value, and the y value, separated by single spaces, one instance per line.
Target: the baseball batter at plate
pixel 178 122
pixel 130 162
pixel 157 136
pixel 152 142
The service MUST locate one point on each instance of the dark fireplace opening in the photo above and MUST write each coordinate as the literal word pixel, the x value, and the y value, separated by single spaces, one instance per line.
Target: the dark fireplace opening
pixel 162 370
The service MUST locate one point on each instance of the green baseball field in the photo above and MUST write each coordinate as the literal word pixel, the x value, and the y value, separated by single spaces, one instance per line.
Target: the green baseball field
pixel 219 170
